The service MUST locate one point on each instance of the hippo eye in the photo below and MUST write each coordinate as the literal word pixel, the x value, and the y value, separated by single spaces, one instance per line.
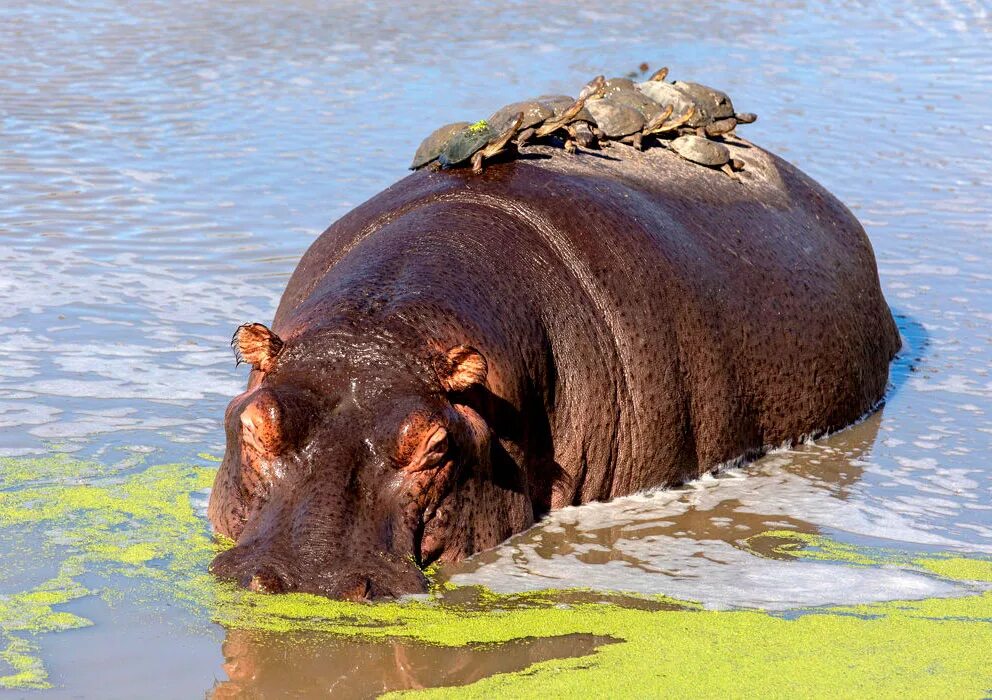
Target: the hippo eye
pixel 437 445
pixel 431 451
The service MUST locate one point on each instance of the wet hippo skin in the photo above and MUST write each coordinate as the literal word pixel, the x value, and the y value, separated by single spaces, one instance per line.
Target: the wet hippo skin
pixel 463 353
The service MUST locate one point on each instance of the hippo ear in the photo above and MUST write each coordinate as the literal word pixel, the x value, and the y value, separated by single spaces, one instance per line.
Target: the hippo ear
pixel 461 367
pixel 257 345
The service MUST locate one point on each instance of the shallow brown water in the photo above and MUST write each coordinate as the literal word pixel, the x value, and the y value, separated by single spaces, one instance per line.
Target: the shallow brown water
pixel 163 166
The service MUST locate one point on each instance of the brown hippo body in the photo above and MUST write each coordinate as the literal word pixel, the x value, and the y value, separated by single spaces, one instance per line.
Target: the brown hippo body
pixel 581 327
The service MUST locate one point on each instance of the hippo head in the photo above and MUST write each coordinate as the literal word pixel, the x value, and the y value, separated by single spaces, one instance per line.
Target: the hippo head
pixel 352 464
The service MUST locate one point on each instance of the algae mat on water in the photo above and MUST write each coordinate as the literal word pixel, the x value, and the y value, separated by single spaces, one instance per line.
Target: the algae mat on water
pixel 97 522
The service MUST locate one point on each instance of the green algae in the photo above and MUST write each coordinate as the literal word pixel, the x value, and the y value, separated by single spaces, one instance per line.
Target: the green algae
pixel 92 520
pixel 959 568
pixel 102 521
pixel 790 543
pixel 480 125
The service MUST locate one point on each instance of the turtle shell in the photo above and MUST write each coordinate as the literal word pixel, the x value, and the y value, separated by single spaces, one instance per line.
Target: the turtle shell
pixel 465 142
pixel 700 150
pixel 711 102
pixel 667 94
pixel 559 103
pixel 553 99
pixel 431 147
pixel 534 111
pixel 614 119
pixel 635 99
pixel 615 85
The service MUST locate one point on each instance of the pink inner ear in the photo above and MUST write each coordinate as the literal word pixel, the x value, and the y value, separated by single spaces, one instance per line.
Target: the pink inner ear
pixel 463 366
pixel 257 345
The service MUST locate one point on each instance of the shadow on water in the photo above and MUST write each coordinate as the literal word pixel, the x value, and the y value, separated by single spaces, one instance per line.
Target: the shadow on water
pixel 267 665
pixel 915 342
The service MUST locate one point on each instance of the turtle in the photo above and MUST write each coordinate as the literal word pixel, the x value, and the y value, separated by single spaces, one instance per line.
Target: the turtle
pixel 578 127
pixel 616 120
pixel 697 149
pixel 477 142
pixel 711 103
pixel 655 114
pixel 497 144
pixel 566 113
pixel 615 85
pixel 431 147
pixel 667 94
pixel 714 112
pixel 634 98
pixel 465 142
pixel 535 112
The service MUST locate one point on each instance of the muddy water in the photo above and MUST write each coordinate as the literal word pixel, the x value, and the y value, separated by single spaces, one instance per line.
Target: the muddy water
pixel 163 166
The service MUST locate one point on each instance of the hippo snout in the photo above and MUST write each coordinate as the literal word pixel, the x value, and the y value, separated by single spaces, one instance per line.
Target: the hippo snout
pixel 368 578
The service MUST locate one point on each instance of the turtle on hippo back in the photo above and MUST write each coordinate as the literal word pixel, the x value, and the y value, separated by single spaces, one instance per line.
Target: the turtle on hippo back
pixel 651 113
pixel 461 142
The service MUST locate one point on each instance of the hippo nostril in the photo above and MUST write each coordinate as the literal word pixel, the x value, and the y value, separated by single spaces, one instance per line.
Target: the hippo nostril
pixel 267 580
pixel 361 590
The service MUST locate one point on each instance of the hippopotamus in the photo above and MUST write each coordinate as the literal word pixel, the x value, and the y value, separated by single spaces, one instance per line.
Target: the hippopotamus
pixel 464 352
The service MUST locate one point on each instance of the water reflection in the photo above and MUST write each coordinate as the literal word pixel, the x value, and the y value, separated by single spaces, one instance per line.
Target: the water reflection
pixel 267 665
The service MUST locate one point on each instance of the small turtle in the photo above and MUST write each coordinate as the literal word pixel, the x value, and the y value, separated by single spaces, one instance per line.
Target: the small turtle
pixel 700 150
pixel 497 144
pixel 667 94
pixel 721 127
pixel 711 103
pixel 615 121
pixel 534 111
pixel 576 111
pixel 578 127
pixel 704 152
pixel 636 99
pixel 581 133
pixel 663 124
pixel 431 147
pixel 615 85
pixel 465 143
pixel 477 142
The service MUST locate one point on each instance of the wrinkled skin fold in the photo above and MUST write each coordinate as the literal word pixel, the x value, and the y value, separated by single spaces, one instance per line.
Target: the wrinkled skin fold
pixel 461 354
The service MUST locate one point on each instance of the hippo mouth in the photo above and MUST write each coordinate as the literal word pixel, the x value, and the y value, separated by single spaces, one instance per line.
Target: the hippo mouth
pixel 373 577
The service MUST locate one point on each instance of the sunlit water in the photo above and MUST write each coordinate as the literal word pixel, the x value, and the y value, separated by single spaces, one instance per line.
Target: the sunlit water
pixel 164 165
